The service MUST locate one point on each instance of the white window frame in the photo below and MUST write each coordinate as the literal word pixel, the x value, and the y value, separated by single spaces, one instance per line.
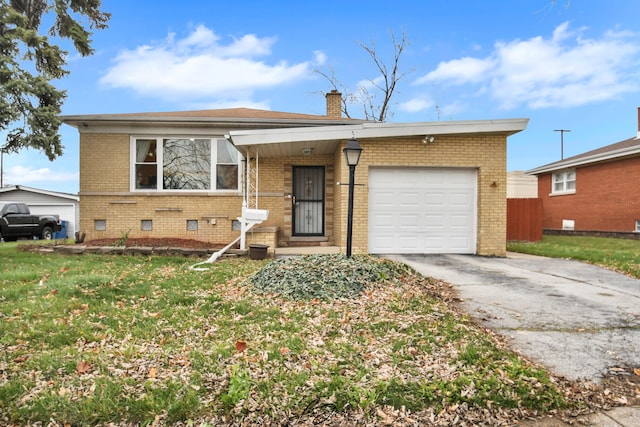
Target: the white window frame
pixel 637 230
pixel 159 165
pixel 567 179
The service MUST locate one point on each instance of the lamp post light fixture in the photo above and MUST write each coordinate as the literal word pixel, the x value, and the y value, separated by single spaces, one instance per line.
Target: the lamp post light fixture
pixel 352 153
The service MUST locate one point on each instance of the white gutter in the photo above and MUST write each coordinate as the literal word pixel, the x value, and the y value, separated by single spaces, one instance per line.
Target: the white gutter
pixel 374 130
pixel 569 163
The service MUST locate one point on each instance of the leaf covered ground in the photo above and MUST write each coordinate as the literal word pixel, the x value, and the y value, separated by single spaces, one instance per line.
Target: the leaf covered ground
pixel 118 340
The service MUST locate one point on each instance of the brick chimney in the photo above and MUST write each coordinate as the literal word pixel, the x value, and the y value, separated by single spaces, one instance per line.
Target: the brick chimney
pixel 334 104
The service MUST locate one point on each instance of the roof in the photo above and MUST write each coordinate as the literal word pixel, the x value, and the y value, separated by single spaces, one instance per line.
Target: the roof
pixel 227 116
pixel 619 150
pixel 325 139
pixel 39 191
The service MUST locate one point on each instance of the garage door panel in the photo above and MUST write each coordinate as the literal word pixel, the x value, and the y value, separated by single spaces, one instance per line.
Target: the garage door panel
pixel 409 221
pixel 409 242
pixel 382 222
pixel 411 199
pixel 461 221
pixel 459 243
pixel 435 199
pixel 422 210
pixel 382 199
pixel 433 244
pixel 434 221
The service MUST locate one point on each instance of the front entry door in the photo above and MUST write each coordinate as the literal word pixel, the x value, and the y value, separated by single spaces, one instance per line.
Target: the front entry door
pixel 308 200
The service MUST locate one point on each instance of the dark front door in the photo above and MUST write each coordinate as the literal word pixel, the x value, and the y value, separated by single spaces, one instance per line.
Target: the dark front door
pixel 308 200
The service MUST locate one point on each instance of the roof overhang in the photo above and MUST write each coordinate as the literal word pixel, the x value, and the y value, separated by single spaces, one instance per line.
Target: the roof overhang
pixel 13 188
pixel 325 139
pixel 586 160
pixel 98 123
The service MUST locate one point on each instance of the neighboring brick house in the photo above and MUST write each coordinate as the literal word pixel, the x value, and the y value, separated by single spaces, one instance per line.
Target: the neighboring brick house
pixel 422 187
pixel 593 191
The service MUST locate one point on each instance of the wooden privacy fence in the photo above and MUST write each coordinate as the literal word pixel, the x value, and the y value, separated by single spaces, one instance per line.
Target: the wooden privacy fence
pixel 524 220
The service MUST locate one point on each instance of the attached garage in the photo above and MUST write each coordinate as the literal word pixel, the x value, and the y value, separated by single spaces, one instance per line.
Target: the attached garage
pixel 422 210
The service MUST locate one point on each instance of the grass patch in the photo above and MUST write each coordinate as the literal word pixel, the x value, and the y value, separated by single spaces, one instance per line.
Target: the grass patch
pixel 622 255
pixel 98 339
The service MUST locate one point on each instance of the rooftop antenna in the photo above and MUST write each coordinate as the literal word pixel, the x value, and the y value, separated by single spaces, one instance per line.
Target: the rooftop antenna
pixel 562 131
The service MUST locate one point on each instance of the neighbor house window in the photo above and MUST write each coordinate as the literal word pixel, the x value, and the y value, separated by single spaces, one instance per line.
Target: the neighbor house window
pixel 564 182
pixel 638 225
pixel 192 225
pixel 167 164
pixel 146 225
pixel 100 224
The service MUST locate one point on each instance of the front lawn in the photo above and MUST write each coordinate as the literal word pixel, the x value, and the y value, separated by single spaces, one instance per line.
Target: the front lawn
pixel 621 255
pixel 120 340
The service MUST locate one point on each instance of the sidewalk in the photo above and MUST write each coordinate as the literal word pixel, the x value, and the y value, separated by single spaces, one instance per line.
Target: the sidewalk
pixel 616 417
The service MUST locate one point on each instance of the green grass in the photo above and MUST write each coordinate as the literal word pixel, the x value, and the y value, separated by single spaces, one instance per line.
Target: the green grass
pixel 621 255
pixel 99 339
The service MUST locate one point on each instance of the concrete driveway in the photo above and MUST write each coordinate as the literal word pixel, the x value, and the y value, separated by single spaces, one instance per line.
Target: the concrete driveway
pixel 576 319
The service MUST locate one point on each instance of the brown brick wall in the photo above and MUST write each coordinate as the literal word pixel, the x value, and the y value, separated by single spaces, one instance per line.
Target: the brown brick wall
pixel 604 199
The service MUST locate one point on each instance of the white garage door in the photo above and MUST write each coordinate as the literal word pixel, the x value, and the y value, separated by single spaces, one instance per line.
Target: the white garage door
pixel 66 212
pixel 422 210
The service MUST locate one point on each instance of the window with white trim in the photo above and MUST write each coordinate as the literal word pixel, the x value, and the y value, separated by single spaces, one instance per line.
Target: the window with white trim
pixel 170 164
pixel 564 182
pixel 637 225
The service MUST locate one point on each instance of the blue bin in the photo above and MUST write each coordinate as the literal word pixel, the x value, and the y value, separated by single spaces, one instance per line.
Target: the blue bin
pixel 62 234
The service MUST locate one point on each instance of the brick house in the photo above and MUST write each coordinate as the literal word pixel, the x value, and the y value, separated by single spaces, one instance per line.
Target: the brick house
pixel 593 191
pixel 435 187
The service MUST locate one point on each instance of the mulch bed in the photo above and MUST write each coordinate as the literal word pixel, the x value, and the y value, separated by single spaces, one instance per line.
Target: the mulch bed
pixel 157 242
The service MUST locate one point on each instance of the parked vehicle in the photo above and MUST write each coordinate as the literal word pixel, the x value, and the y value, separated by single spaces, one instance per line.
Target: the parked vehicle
pixel 17 222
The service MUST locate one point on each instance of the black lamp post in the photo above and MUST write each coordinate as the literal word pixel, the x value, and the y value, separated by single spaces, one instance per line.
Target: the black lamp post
pixel 352 154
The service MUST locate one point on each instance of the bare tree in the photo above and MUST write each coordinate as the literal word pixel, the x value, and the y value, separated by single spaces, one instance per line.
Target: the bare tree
pixel 375 98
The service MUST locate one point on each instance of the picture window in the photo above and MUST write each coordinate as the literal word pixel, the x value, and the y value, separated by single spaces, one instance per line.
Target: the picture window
pixel 193 164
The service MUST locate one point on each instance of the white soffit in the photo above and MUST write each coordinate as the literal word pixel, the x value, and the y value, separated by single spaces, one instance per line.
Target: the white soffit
pixel 246 138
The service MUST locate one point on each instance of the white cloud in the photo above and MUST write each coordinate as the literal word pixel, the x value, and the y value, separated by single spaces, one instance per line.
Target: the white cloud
pixel 459 71
pixel 22 175
pixel 415 105
pixel 199 66
pixel 563 71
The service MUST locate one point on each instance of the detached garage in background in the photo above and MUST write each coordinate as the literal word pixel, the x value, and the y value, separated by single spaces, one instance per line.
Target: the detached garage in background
pixel 41 202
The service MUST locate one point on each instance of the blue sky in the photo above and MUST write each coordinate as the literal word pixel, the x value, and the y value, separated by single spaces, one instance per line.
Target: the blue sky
pixel 572 66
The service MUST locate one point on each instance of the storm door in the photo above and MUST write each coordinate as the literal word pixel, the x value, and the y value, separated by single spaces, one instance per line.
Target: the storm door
pixel 308 201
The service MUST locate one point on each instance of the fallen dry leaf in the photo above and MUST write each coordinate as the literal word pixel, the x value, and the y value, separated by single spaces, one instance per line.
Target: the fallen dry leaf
pixel 21 358
pixel 153 372
pixel 83 367
pixel 241 346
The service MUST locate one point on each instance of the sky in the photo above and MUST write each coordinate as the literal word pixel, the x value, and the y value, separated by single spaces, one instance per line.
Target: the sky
pixel 571 65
